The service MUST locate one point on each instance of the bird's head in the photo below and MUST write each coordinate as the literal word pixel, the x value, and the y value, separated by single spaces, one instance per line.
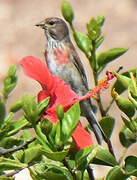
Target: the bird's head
pixel 54 28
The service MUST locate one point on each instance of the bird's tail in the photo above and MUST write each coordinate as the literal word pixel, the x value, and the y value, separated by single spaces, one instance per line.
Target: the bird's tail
pixel 87 111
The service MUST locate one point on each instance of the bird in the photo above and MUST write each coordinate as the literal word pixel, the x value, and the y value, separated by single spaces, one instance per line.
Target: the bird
pixel 63 61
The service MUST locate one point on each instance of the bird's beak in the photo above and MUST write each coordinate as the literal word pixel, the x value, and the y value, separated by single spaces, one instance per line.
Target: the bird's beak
pixel 41 25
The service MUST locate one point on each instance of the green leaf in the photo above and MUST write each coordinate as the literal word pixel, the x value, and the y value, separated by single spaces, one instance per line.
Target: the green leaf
pixel 132 125
pixel 32 154
pixel 18 156
pixel 26 135
pixel 34 175
pixel 69 122
pixel 84 157
pixel 67 11
pixel 131 165
pixel 94 29
pixel 12 71
pixel 43 105
pixel 123 81
pixel 60 111
pixel 8 118
pixel 104 157
pixel 132 99
pixel 116 173
pixel 6 178
pixel 55 169
pixel 30 109
pixel 16 106
pixel 49 129
pixel 9 142
pixel 83 42
pixel 2 112
pixel 127 137
pixel 58 136
pixel 56 156
pixel 8 164
pixel 125 105
pixel 100 19
pixel 50 172
pixel 110 55
pixel 99 42
pixel 17 125
pixel 107 123
pixel 10 81
pixel 42 139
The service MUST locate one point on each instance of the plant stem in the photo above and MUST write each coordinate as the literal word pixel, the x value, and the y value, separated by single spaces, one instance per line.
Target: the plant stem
pixel 109 106
pixel 90 172
pixel 4 151
pixel 70 170
pixel 99 102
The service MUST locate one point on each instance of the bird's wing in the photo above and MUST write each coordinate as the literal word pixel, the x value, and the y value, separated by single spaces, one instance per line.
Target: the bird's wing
pixel 78 64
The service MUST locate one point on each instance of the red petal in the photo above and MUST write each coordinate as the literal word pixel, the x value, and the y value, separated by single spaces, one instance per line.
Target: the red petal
pixel 52 117
pixel 36 69
pixel 43 95
pixel 81 137
pixel 64 94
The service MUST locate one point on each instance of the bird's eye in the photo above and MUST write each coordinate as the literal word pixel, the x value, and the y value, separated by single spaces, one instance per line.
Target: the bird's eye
pixel 51 22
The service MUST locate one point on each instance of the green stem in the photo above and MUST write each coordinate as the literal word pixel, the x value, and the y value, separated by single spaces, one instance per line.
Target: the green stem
pixel 94 66
pixel 99 102
pixel 109 106
pixel 94 63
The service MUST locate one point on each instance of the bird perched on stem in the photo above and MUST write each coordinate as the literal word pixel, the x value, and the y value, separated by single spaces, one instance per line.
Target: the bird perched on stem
pixel 63 61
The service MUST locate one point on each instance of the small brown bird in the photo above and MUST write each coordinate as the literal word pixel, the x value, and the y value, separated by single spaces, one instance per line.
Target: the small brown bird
pixel 63 61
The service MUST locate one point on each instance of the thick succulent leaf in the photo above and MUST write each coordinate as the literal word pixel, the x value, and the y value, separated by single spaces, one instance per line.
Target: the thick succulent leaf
pixel 70 121
pixel 125 106
pixel 119 86
pixel 67 11
pixel 99 42
pixel 32 154
pixel 50 172
pixel 132 125
pixel 132 99
pixel 16 106
pixel 17 125
pixel 94 29
pixel 107 123
pixel 8 164
pixel 110 55
pixel 9 142
pixel 127 137
pixel 84 157
pixel 131 165
pixel 56 156
pixel 104 157
pixel 83 42
pixel 116 173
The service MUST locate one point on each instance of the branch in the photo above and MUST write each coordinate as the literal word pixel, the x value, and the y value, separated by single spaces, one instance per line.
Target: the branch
pixel 4 151
pixel 90 172
pixel 70 170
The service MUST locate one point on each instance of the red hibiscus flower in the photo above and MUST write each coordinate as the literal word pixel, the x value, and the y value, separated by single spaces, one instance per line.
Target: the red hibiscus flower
pixel 59 93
